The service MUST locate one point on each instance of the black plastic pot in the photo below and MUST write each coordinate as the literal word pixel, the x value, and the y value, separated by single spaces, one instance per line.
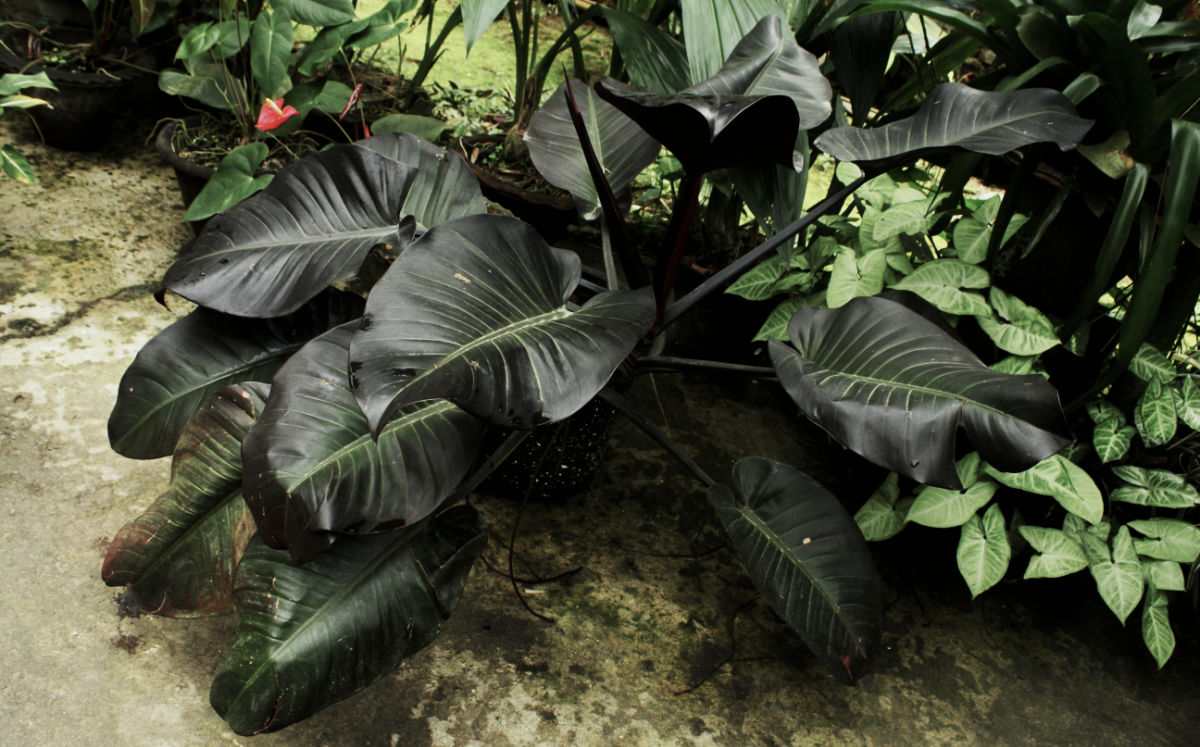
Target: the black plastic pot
pixel 555 461
pixel 189 175
pixel 550 214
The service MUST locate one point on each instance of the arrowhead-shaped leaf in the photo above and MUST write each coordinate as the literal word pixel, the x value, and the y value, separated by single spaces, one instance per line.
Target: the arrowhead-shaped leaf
pixel 1156 626
pixel 1112 440
pixel 311 635
pixel 313 468
pixel 200 354
pixel 180 555
pixel 1060 554
pixel 1169 539
pixel 317 221
pixel 1118 576
pixel 1023 331
pixel 622 147
pixel 1154 415
pixel 1061 479
pixel 475 312
pixel 882 516
pixel 990 122
pixel 895 388
pixel 749 113
pixel 234 181
pixel 1154 487
pixel 805 554
pixel 942 283
pixel 983 550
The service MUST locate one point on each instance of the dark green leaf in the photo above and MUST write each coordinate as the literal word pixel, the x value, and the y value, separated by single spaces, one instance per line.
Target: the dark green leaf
pixel 318 12
pixel 270 52
pixel 861 49
pixel 427 128
pixel 200 354
pixel 311 635
pixel 895 388
pixel 313 468
pixel 317 221
pixel 805 554
pixel 749 113
pixel 957 116
pixel 712 31
pixel 180 555
pixel 654 59
pixel 475 312
pixel 622 148
pixel 15 166
pixel 234 181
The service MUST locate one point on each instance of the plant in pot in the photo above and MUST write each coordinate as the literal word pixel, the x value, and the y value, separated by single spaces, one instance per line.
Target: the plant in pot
pixel 97 54
pixel 13 163
pixel 329 508
pixel 258 91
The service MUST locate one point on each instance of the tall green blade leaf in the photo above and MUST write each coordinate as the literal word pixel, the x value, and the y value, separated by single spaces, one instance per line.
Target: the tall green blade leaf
pixel 314 469
pixel 712 30
pixel 895 388
pixel 477 16
pixel 805 554
pixel 654 59
pixel 199 355
pixel 179 556
pixel 311 635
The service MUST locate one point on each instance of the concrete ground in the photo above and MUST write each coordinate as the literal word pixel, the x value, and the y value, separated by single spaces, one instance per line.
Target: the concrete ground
pixel 648 616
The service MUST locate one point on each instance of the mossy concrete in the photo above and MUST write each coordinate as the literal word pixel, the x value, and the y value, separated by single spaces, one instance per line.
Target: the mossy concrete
pixel 647 615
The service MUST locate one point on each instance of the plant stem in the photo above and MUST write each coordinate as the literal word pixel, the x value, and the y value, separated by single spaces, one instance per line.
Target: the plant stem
pixel 687 204
pixel 433 54
pixel 668 361
pixel 719 280
pixel 621 405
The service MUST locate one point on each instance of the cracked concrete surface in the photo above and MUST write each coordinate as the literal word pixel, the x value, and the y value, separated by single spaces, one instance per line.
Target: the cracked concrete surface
pixel 647 616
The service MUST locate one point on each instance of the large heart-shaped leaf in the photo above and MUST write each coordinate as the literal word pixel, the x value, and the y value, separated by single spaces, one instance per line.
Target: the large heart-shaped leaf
pixel 1059 553
pixel 311 635
pixel 180 555
pixel 1117 573
pixel 235 179
pixel 954 115
pixel 313 468
pixel 200 354
pixel 805 554
pixel 317 221
pixel 747 114
pixel 622 148
pixel 475 312
pixel 894 387
pixel 941 508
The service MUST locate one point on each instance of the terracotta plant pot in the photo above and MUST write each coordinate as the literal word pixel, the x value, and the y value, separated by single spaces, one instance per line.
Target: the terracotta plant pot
pixel 549 213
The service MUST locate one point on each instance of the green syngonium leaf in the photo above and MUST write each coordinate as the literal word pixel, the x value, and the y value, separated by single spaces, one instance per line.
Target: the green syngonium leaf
pixel 983 550
pixel 475 312
pixel 1164 575
pixel 942 283
pixel 1168 539
pixel 200 354
pixel 805 554
pixel 622 148
pixel 1149 364
pixel 747 114
pixel 1060 554
pixel 973 235
pixel 1187 403
pixel 895 388
pixel 179 556
pixel 311 635
pixel 1154 415
pixel 989 122
pixel 943 508
pixel 1154 487
pixel 855 277
pixel 1023 330
pixel 313 468
pixel 1156 626
pixel 1118 574
pixel 234 181
pixel 1061 479
pixel 317 221
pixel 1112 440
pixel 882 516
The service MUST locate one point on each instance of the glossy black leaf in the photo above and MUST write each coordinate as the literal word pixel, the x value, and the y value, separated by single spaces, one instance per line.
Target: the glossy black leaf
pixel 475 312
pixel 311 635
pixel 895 388
pixel 195 357
pixel 313 468
pixel 805 554
pixel 622 147
pixel 317 221
pixel 991 122
pixel 180 555
pixel 749 113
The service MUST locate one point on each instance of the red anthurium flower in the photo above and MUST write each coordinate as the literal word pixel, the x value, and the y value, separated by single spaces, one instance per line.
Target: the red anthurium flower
pixel 273 114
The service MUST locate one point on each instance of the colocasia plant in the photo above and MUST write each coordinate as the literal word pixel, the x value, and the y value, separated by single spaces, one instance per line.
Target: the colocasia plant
pixel 328 508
